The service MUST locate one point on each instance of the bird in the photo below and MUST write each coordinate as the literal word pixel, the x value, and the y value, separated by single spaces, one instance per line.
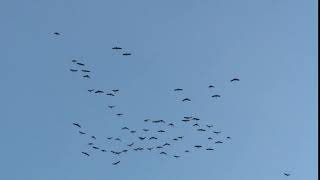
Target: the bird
pixel 125 150
pixel 115 90
pixel 73 70
pixel 95 147
pixel 175 139
pixel 196 119
pixel 176 156
pixel 145 130
pixel 218 142
pixel 82 132
pixel 57 33
pixel 117 139
pixel 210 138
pixel 74 61
pixel 210 86
pixel 119 114
pixel 90 90
pixel 150 148
pixel 209 125
pixel 185 120
pixel 180 137
pixel 116 48
pixel 178 89
pixel 152 138
pixel 201 130
pixel 163 153
pixel 110 94
pixel 161 131
pixel 93 137
pixel 198 146
pixel 159 147
pixel 166 144
pixel 217 132
pixel 90 144
pixel 186 99
pixel 76 124
pixel 171 124
pixel 146 120
pixel 98 91
pixel 142 138
pixel 186 151
pixel 131 144
pixel 109 138
pixel 126 54
pixel 85 153
pixel 125 128
pixel 132 131
pixel 84 70
pixel 80 64
pixel 187 117
pixel 115 163
pixel 103 150
pixel 209 149
pixel 228 137
pixel 234 79
pixel 86 76
pixel 111 107
pixel 216 96
pixel 286 174
pixel 196 125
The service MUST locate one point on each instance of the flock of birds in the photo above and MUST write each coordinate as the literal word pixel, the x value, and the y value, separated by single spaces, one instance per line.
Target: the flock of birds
pixel 147 133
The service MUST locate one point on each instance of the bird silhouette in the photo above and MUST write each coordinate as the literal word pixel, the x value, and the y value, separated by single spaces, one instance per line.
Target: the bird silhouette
pixel 286 174
pixel 125 128
pixel 145 130
pixel 119 114
pixel 201 130
pixel 185 120
pixel 76 124
pixel 196 125
pixel 91 90
pixel 115 163
pixel 90 144
pixel 109 138
pixel 176 156
pixel 196 119
pixel 187 117
pixel 93 137
pixel 84 70
pixel 142 138
pixel 150 148
pixel 82 132
pixel 152 138
pixel 110 94
pixel 116 48
pixel 126 54
pixel 210 86
pixel 234 79
pixel 74 61
pixel 171 124
pixel 103 150
pixel 85 153
pixel 86 76
pixel 180 137
pixel 57 33
pixel 186 99
pixel 198 146
pixel 161 131
pixel 216 96
pixel 95 147
pixel 164 153
pixel 210 138
pixel 98 91
pixel 178 89
pixel 80 64
pixel 73 70
pixel 228 137
pixel 130 144
pixel 146 120
pixel 115 90
pixel 217 132
pixel 209 125
pixel 111 107
pixel 218 142
pixel 166 144
pixel 117 139
pixel 209 149
pixel 132 131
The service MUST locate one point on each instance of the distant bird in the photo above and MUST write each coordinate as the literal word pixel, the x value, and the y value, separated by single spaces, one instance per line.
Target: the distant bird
pixel 186 151
pixel 109 138
pixel 234 79
pixel 76 124
pixel 82 132
pixel 85 153
pixel 211 86
pixel 216 96
pixel 180 137
pixel 80 64
pixel 103 150
pixel 73 70
pixel 115 90
pixel 217 132
pixel 228 137
pixel 159 147
pixel 119 114
pixel 196 125
pixel 218 142
pixel 115 163
pixel 196 119
pixel 98 91
pixel 201 130
pixel 146 120
pixel 162 121
pixel 198 146
pixel 185 120
pixel 187 117
pixel 130 144
pixel 125 150
pixel 57 33
pixel 145 130
pixel 163 153
pixel 166 144
pixel 74 61
pixel 286 174
pixel 84 70
pixel 116 48
pixel 171 124
pixel 142 138
pixel 132 131
pixel 86 76
pixel 110 94
pixel 176 156
pixel 126 54
pixel 152 138
pixel 209 125
pixel 178 89
pixel 210 138
pixel 90 90
pixel 90 144
pixel 125 128
pixel 111 107
pixel 117 139
pixel 186 99
pixel 93 137
pixel 209 149
pixel 95 147
pixel 175 139
pixel 161 131
pixel 150 148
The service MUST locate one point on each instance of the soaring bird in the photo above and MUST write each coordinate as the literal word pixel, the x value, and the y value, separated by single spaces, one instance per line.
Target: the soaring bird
pixel 176 156
pixel 74 61
pixel 178 89
pixel 80 64
pixel 171 124
pixel 115 163
pixel 201 130
pixel 196 125
pixel 119 114
pixel 82 132
pixel 152 138
pixel 161 131
pixel 159 147
pixel 186 99
pixel 111 107
pixel 115 90
pixel 163 153
pixel 185 120
pixel 109 138
pixel 110 94
pixel 218 142
pixel 91 90
pixel 180 137
pixel 234 79
pixel 117 139
pixel 125 150
pixel 98 91
pixel 84 70
pixel 93 137
pixel 132 131
pixel 150 148
pixel 175 139
pixel 209 149
pixel 145 130
pixel 116 48
pixel 90 144
pixel 125 128
pixel 56 33
pixel 210 86
pixel 131 144
pixel 103 150
pixel 142 138
pixel 73 70
pixel 210 138
pixel 186 151
pixel 95 147
pixel 76 124
pixel 196 119
pixel 216 96
pixel 198 146
pixel 85 153
pixel 86 76
pixel 146 120
pixel 228 137
pixel 209 125
pixel 217 132
pixel 286 174
pixel 162 121
pixel 126 54
pixel 188 117
pixel 166 144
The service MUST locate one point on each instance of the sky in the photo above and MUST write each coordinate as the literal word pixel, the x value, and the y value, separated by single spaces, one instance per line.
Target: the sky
pixel 271 114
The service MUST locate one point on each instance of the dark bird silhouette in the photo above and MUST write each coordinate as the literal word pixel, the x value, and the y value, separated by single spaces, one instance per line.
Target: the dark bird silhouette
pixel 91 90
pixel 171 124
pixel 228 137
pixel 159 147
pixel 286 174
pixel 161 131
pixel 73 70
pixel 84 70
pixel 211 86
pixel 176 156
pixel 216 96
pixel 93 137
pixel 109 138
pixel 142 138
pixel 218 142
pixel 110 94
pixel 196 119
pixel 115 90
pixel 178 89
pixel 153 138
pixel 117 139
pixel 85 153
pixel 125 128
pixel 196 125
pixel 95 147
pixel 103 150
pixel 150 148
pixel 145 130
pixel 74 61
pixel 111 107
pixel 201 130
pixel 209 125
pixel 80 64
pixel 125 150
pixel 217 132
pixel 185 120
pixel 187 117
pixel 116 48
pixel 146 120
pixel 115 163
pixel 166 144
pixel 210 138
pixel 126 54
pixel 198 146
pixel 209 149
pixel 76 124
pixel 132 131
pixel 82 132
pixel 130 144
pixel 234 79
pixel 86 76
pixel 119 114
pixel 90 144
pixel 57 33
pixel 164 153
pixel 186 99
pixel 186 151
pixel 180 137
pixel 175 139
pixel 98 91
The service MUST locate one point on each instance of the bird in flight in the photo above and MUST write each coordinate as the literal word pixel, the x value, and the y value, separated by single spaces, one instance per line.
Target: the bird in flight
pixel 286 174
pixel 111 107
pixel 119 114
pixel 109 138
pixel 84 70
pixel 209 125
pixel 209 149
pixel 145 130
pixel 217 132
pixel 80 64
pixel 126 54
pixel 186 99
pixel 117 139
pixel 115 90
pixel 152 138
pixel 95 147
pixel 110 94
pixel 218 142
pixel 86 76
pixel 185 120
pixel 90 90
pixel 85 153
pixel 125 128
pixel 166 144
pixel 228 137
pixel 76 124
pixel 178 89
pixel 171 124
pixel 116 48
pixel 103 150
pixel 164 153
pixel 82 132
pixel 132 131
pixel 176 156
pixel 161 131
pixel 142 138
pixel 73 70
pixel 98 91
pixel 216 96
pixel 115 163
pixel 130 144
pixel 198 146
pixel 196 119
pixel 196 125
pixel 56 33
pixel 74 61
pixel 211 86
pixel 234 79
pixel 93 137
pixel 201 130
pixel 180 137
pixel 146 120
pixel 150 148
pixel 210 138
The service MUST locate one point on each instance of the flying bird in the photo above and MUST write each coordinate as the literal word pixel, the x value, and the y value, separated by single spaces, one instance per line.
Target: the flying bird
pixel 201 130
pixel 176 156
pixel 57 33
pixel 98 91
pixel 117 139
pixel 130 144
pixel 115 163
pixel 90 144
pixel 125 128
pixel 180 137
pixel 74 61
pixel 73 70
pixel 119 114
pixel 84 70
pixel 228 137
pixel 217 132
pixel 166 144
pixel 115 90
pixel 211 86
pixel 218 142
pixel 210 138
pixel 196 125
pixel 150 148
pixel 82 132
pixel 186 99
pixel 196 119
pixel 110 94
pixel 171 124
pixel 116 48
pixel 126 54
pixel 142 138
pixel 80 64
pixel 145 130
pixel 286 174
pixel 86 76
pixel 132 131
pixel 95 147
pixel 109 138
pixel 76 124
pixel 178 89
pixel 163 153
pixel 103 150
pixel 209 149
pixel 111 107
pixel 85 153
pixel 185 120
pixel 93 137
pixel 91 90
pixel 146 120
pixel 209 125
pixel 161 131
pixel 234 79
pixel 198 146
pixel 152 138
pixel 216 96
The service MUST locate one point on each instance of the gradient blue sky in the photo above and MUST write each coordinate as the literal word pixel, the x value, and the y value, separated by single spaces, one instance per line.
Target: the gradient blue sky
pixel 271 114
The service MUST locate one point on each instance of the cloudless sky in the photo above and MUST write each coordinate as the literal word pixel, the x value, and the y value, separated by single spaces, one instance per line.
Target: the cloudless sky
pixel 271 114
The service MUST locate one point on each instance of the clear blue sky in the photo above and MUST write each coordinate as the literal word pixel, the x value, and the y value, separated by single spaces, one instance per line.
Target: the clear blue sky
pixel 271 114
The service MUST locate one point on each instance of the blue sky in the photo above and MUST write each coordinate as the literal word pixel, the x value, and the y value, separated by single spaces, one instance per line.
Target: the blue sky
pixel 271 114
